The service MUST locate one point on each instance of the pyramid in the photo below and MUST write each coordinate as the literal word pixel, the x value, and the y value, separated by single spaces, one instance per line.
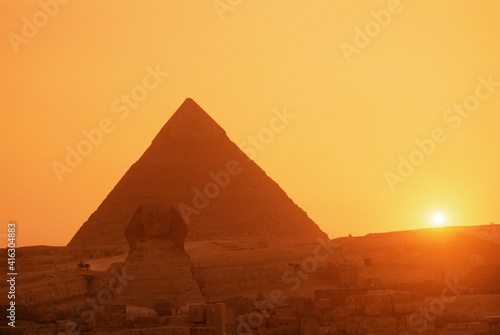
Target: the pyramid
pixel 221 193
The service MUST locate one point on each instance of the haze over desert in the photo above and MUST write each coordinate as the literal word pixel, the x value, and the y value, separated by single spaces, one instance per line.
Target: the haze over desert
pixel 232 167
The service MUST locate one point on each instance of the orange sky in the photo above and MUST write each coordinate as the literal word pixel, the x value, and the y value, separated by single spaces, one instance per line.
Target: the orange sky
pixel 361 102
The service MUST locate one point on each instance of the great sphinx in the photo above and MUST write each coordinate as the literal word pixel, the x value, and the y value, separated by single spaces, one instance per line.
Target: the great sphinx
pixel 157 259
pixel 156 221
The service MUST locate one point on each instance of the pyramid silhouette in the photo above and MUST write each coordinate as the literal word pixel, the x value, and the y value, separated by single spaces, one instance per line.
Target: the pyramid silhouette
pixel 222 194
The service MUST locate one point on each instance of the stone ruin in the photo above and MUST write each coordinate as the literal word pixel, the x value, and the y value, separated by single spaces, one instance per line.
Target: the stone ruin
pixel 379 312
pixel 158 297
pixel 156 221
pixel 385 312
pixel 160 267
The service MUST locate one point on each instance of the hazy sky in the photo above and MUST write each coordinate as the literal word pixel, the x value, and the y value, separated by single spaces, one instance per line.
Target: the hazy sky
pixel 366 80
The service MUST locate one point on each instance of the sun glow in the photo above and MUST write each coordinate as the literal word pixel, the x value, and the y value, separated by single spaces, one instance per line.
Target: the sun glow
pixel 438 219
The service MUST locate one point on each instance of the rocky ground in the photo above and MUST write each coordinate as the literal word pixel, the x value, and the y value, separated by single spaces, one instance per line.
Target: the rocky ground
pixel 237 272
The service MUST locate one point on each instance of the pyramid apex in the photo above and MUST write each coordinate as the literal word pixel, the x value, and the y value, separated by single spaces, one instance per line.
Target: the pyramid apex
pixel 190 121
pixel 189 101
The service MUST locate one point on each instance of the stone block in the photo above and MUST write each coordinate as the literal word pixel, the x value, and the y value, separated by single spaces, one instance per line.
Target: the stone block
pixel 285 310
pixel 174 320
pixel 115 309
pixel 383 303
pixel 163 311
pixel 109 320
pixel 161 305
pixel 203 331
pixel 134 312
pixel 146 322
pixel 197 314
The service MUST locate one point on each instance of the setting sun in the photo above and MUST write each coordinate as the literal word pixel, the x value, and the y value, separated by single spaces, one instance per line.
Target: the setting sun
pixel 438 219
